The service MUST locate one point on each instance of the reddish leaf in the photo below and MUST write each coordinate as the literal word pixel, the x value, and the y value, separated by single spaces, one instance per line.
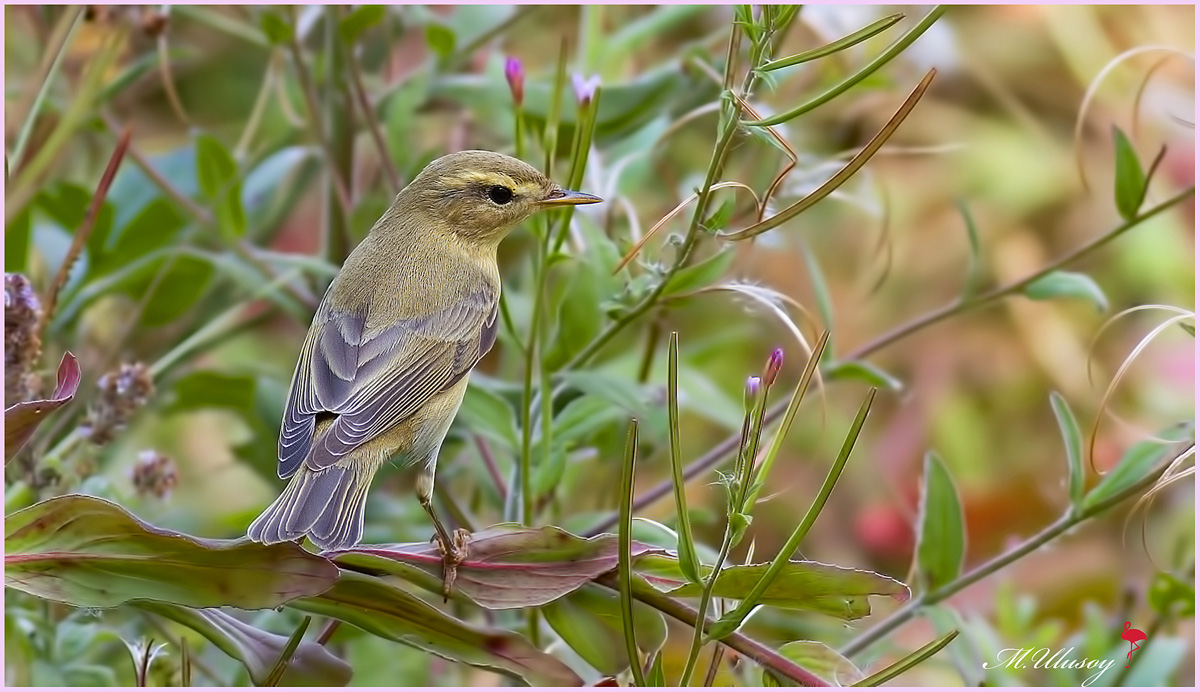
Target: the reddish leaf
pixel 89 552
pixel 507 566
pixel 20 420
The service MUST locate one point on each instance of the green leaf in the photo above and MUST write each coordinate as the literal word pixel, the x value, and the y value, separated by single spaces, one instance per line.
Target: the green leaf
pixel 864 372
pixel 689 563
pixel 218 176
pixel 1069 427
pixel 215 167
pixel 361 19
pixel 974 260
pixel 657 677
pixel 89 552
pixel 802 585
pixel 701 275
pixel 489 415
pixel 1137 461
pixel 578 318
pixel 440 39
pixel 1129 181
pixel 942 541
pixel 156 225
pixel 23 418
pixel 389 612
pixel 16 243
pixel 1061 284
pixel 1171 596
pixel 589 621
pixel 836 46
pixel 276 28
pixel 509 566
pixel 184 284
pixel 622 392
pixel 310 664
pixel 720 218
pixel 908 661
pixel 819 659
pixel 213 389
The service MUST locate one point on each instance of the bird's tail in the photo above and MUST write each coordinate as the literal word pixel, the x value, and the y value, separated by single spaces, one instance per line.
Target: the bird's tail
pixel 327 505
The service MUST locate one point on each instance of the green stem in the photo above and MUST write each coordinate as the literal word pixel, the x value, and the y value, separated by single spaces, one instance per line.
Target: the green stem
pixel 869 69
pixel 714 456
pixel 64 30
pixel 1041 538
pixel 754 650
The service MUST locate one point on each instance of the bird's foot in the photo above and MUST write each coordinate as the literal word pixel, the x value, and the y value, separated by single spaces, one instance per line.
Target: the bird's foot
pixel 453 552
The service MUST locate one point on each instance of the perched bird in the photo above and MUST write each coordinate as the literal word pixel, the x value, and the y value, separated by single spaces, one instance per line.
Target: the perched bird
pixel 385 363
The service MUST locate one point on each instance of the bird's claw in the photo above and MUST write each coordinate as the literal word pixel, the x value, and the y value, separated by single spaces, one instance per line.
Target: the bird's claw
pixel 453 555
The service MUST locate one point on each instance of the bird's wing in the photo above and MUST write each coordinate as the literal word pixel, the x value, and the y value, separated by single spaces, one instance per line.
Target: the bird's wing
pixel 371 379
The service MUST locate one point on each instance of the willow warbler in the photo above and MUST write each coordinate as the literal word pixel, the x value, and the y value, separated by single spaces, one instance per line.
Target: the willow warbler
pixel 385 363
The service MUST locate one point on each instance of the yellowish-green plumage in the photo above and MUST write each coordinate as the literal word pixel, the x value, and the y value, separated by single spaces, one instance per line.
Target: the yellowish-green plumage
pixel 385 363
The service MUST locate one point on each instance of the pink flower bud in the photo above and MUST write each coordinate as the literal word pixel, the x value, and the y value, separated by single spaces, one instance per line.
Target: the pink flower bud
pixel 774 363
pixel 514 72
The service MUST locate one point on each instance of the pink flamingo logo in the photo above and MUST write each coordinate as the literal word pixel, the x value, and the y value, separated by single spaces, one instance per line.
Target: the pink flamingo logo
pixel 1133 636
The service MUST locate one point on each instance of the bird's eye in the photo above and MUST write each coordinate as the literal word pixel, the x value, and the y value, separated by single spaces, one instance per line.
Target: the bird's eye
pixel 500 194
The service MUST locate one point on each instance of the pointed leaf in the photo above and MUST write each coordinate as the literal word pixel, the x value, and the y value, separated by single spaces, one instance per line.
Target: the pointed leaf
pixel 820 660
pixel 89 552
pixel 20 420
pixel 507 566
pixel 865 372
pixel 698 276
pixel 908 661
pixel 310 664
pixel 361 19
pixel 388 612
pixel 589 621
pixel 1061 284
pixel 942 541
pixel 490 415
pixel 1137 461
pixel 1072 440
pixel 801 585
pixel 1129 184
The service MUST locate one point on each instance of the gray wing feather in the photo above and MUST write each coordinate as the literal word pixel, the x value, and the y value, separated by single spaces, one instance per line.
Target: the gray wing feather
pixel 373 379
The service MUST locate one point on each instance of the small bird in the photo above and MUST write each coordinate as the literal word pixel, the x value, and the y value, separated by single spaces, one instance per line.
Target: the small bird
pixel 384 366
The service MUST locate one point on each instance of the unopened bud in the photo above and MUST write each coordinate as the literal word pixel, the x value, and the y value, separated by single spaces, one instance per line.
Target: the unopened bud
pixel 514 72
pixel 774 363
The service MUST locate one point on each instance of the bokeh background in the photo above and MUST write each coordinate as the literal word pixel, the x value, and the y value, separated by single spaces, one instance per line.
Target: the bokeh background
pixel 995 135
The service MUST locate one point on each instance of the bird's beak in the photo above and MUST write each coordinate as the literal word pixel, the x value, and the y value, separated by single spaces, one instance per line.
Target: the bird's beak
pixel 562 198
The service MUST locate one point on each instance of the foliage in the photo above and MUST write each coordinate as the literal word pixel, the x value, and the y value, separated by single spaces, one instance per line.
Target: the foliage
pixel 183 182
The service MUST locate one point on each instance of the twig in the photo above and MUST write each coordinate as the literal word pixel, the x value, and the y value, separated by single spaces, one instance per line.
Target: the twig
pixel 89 222
pixel 64 29
pixel 744 645
pixel 364 104
pixel 983 299
pixel 1054 530
pixel 722 449
pixel 489 461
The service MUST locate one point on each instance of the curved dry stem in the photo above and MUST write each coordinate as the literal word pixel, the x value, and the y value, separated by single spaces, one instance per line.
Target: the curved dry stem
pixel 1141 91
pixel 1095 87
pixel 852 166
pixel 1116 379
pixel 168 79
pixel 633 252
pixel 1171 476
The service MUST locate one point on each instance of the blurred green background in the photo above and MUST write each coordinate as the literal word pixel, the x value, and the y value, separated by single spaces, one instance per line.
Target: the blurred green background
pixel 995 135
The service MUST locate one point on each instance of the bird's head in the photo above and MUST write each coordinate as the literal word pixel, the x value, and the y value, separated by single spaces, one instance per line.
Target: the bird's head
pixel 482 195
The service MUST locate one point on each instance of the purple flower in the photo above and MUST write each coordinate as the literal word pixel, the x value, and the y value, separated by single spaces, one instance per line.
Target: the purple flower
pixel 585 88
pixel 753 384
pixel 514 72
pixel 773 364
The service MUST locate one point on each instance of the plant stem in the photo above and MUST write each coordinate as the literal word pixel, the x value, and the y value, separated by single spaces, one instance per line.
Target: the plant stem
pixel 995 294
pixel 715 455
pixel 744 645
pixel 64 29
pixel 1054 530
